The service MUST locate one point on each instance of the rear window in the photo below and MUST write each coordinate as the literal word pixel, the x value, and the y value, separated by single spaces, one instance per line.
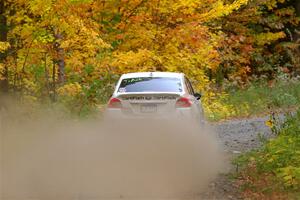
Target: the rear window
pixel 150 84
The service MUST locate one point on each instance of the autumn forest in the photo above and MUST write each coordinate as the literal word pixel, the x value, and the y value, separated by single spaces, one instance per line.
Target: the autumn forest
pixel 57 49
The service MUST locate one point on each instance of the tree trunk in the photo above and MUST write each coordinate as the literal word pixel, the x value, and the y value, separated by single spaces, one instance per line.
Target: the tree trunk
pixel 3 38
pixel 61 66
pixel 297 7
pixel 60 60
pixel 296 34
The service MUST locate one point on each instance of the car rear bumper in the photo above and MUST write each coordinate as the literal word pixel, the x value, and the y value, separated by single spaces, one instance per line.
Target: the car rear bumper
pixel 184 113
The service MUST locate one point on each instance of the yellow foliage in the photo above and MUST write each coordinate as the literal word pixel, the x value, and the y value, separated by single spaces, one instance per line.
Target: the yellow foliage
pixel 220 9
pixel 30 87
pixel 268 38
pixel 70 90
pixel 271 4
pixel 83 44
pixel 130 61
pixel 40 7
pixel 214 107
pixel 1 70
pixel 269 123
pixel 4 46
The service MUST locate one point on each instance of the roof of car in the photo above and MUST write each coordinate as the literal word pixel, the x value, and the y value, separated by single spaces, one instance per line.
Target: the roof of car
pixel 152 74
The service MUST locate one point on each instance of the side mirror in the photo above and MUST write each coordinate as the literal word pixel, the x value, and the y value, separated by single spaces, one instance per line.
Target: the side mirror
pixel 198 96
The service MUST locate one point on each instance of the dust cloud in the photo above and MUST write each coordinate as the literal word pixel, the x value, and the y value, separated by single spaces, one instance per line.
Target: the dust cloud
pixel 47 157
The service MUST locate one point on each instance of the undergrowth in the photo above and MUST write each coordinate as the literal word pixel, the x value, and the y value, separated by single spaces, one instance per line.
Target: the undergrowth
pixel 273 172
pixel 256 99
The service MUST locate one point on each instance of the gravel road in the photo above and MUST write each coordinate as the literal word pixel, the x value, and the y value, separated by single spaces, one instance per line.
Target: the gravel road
pixel 235 137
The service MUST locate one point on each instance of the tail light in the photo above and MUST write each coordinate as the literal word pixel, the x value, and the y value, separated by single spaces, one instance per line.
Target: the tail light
pixel 114 103
pixel 183 103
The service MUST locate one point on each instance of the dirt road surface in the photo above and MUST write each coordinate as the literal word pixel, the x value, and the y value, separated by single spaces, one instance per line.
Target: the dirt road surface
pixel 235 137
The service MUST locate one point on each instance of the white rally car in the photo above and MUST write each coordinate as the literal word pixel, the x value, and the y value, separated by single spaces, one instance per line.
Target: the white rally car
pixel 155 94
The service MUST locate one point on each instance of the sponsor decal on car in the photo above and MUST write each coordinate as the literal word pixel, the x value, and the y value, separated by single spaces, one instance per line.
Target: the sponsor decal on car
pixel 150 98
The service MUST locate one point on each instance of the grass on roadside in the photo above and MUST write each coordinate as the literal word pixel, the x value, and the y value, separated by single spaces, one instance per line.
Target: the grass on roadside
pixel 256 99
